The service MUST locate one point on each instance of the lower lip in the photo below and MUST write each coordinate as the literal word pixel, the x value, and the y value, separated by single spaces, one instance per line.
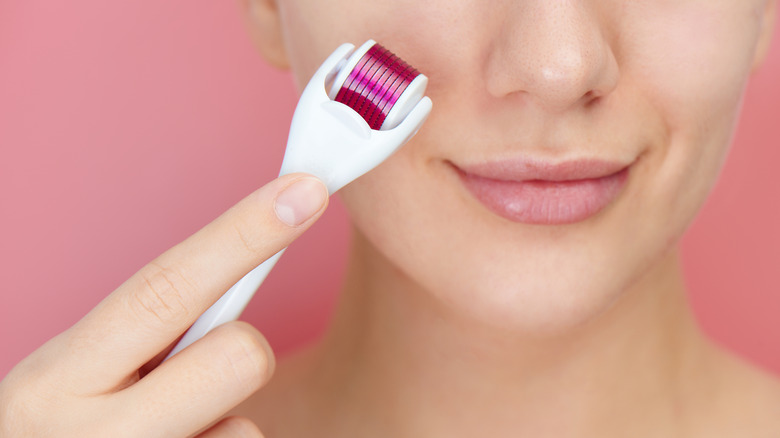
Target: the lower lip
pixel 546 202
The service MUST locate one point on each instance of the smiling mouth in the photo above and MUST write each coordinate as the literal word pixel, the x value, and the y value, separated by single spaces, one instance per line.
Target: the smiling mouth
pixel 541 193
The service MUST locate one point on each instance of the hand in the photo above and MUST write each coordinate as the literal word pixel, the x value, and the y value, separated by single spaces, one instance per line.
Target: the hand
pixel 103 376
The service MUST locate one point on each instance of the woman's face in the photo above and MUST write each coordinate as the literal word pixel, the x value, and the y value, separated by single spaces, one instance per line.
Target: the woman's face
pixel 637 98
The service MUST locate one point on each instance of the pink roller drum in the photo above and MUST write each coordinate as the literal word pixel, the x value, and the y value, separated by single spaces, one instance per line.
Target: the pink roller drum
pixel 379 86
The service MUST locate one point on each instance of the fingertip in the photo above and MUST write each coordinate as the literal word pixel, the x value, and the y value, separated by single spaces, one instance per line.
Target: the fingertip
pixel 301 200
pixel 249 354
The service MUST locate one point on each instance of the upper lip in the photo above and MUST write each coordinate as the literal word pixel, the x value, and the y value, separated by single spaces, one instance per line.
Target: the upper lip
pixel 524 169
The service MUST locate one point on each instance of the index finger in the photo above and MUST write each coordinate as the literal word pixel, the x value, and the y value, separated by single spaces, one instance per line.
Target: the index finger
pixel 158 303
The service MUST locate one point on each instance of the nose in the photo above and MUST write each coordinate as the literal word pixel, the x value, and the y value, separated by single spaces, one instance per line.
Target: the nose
pixel 553 53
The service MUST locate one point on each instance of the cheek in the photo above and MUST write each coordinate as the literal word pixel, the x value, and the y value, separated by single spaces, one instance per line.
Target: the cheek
pixel 690 59
pixel 409 28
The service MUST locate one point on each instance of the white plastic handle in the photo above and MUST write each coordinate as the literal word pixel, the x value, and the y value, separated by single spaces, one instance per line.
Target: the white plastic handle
pixel 229 306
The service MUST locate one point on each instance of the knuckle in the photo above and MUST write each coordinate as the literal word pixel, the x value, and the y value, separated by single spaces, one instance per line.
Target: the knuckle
pixel 247 355
pixel 252 244
pixel 163 295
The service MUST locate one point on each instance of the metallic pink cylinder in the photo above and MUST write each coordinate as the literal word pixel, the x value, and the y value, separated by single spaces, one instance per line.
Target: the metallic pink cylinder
pixel 375 84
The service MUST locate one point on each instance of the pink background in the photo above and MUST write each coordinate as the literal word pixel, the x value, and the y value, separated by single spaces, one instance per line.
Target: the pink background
pixel 125 127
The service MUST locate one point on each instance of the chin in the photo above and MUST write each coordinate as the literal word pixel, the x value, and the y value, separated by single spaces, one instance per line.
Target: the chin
pixel 546 295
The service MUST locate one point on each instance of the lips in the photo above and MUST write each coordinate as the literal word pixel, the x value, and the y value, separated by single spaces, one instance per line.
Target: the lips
pixel 535 192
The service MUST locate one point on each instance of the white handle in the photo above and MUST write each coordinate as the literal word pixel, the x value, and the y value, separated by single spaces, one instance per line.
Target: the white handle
pixel 230 306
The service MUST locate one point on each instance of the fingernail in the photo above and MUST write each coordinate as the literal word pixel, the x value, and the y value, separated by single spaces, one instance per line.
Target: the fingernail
pixel 300 201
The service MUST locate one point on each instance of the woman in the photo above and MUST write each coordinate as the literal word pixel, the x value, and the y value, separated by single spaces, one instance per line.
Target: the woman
pixel 514 268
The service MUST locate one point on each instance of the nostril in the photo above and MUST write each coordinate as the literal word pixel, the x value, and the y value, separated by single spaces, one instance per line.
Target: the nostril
pixel 591 98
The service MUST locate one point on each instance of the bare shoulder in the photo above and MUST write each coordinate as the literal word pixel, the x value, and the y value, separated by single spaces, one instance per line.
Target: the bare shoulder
pixel 746 402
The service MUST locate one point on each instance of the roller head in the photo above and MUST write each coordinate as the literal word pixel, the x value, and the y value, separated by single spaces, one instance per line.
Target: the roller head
pixel 359 107
pixel 379 86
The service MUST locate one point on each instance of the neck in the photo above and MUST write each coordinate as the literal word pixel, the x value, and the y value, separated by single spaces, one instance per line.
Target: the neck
pixel 393 356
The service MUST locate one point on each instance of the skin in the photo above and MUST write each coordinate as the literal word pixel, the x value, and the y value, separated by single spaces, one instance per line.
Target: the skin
pixel 454 321
pixel 481 326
